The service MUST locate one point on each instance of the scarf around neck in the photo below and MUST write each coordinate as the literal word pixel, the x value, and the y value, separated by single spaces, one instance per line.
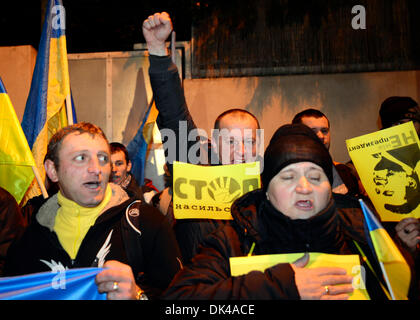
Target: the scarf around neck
pixel 320 233
pixel 73 221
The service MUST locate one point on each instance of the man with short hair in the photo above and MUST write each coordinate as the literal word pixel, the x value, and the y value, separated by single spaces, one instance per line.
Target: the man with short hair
pixel 91 222
pixel 343 179
pixel 234 140
pixel 121 175
pixel 318 122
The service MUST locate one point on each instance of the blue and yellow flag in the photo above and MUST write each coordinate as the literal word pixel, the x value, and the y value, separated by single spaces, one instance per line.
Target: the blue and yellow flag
pixel 137 147
pixel 395 269
pixel 74 284
pixel 16 160
pixel 45 111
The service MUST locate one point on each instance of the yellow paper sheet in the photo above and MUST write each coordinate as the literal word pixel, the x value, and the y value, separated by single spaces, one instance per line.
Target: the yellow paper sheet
pixel 209 191
pixel 243 265
pixel 388 163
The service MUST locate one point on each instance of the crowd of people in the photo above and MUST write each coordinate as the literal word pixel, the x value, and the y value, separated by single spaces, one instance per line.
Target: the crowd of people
pixel 100 216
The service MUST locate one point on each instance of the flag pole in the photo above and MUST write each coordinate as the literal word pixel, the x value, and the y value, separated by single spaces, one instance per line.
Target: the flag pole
pixel 40 183
pixel 387 280
pixel 173 48
pixel 69 110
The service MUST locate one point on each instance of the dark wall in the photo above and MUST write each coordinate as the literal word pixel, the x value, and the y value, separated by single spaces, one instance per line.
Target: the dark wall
pixel 270 37
pixel 240 37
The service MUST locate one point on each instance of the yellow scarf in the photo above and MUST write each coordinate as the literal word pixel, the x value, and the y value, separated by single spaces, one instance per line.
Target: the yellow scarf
pixel 73 221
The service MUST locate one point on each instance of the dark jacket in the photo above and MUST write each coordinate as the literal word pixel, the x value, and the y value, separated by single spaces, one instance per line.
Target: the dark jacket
pixel 139 192
pixel 170 101
pixel 39 248
pixel 12 224
pixel 255 220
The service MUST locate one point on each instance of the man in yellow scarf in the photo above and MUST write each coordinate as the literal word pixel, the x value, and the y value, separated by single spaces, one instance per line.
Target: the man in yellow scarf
pixel 85 223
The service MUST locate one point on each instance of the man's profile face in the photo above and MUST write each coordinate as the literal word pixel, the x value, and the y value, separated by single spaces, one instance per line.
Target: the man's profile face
pixel 391 185
pixel 321 128
pixel 237 141
pixel 84 168
pixel 120 167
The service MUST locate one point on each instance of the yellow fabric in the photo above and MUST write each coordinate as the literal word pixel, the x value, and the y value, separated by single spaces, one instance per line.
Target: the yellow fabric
pixel 243 265
pixel 397 270
pixel 72 221
pixel 16 158
pixel 151 133
pixel 58 89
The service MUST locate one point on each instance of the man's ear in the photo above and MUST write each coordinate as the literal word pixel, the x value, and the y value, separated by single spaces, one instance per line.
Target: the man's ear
pixel 129 166
pixel 50 170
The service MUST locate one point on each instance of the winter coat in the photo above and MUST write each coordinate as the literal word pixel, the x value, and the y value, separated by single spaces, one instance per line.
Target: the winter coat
pixel 170 101
pixel 39 249
pixel 334 230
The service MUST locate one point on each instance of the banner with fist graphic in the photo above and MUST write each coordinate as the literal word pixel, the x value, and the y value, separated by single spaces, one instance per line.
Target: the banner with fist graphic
pixel 207 192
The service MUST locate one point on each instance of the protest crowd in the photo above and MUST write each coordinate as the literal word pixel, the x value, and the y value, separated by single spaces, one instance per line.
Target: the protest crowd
pixel 294 231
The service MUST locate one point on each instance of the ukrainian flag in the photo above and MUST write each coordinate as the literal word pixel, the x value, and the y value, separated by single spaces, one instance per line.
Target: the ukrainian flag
pixel 73 284
pixel 16 160
pixel 45 111
pixel 137 147
pixel 395 269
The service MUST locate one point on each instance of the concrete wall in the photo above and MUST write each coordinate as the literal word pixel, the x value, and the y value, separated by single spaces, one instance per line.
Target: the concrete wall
pixel 16 68
pixel 350 101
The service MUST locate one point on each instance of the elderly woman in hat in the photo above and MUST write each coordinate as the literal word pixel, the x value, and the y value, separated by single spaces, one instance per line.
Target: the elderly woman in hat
pixel 294 212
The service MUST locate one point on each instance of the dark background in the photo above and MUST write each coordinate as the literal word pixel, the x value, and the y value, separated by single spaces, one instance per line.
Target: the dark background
pixel 240 37
pixel 91 25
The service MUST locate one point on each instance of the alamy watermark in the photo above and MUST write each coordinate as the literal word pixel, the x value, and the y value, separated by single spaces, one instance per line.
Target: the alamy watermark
pixel 359 20
pixel 58 17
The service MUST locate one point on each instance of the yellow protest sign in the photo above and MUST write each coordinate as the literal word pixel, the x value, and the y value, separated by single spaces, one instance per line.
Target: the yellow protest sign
pixel 209 191
pixel 351 263
pixel 388 163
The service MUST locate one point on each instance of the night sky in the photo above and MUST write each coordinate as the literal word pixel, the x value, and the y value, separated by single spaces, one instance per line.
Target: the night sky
pixel 91 25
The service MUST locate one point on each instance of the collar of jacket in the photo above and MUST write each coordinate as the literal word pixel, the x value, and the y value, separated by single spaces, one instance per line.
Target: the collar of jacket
pixel 320 233
pixel 48 211
pixel 126 181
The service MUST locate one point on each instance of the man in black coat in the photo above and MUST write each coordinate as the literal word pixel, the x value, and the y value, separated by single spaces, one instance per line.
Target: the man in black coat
pixel 91 222
pixel 235 138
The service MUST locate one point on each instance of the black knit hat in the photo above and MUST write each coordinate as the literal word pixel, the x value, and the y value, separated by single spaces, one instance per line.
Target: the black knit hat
pixel 394 109
pixel 294 143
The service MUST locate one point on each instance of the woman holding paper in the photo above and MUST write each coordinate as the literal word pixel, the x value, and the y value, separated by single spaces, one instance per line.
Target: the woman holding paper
pixel 295 212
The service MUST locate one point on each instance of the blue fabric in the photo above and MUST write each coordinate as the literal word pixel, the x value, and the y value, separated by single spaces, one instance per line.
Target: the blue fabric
pixel 35 114
pixel 2 88
pixel 73 284
pixel 137 149
pixel 73 109
pixel 371 222
pixel 367 226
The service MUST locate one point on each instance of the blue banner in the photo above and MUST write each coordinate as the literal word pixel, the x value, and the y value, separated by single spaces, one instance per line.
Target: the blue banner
pixel 73 284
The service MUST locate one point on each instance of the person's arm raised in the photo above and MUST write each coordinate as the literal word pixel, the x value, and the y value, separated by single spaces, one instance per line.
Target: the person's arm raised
pixel 156 29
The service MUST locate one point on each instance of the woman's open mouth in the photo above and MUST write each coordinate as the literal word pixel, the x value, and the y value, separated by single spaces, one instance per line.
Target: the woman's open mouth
pixel 304 204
